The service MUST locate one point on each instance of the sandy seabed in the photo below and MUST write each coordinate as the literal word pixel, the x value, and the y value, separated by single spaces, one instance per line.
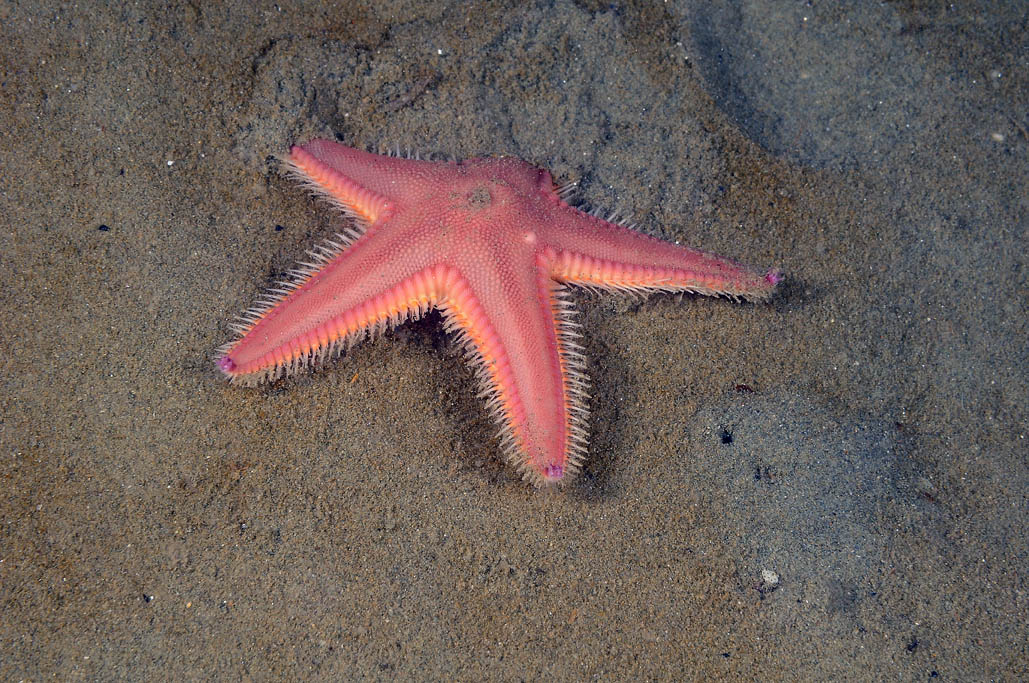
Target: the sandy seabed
pixel 832 485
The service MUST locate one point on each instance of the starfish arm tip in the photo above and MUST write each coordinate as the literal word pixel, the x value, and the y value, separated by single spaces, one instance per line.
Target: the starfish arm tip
pixel 553 473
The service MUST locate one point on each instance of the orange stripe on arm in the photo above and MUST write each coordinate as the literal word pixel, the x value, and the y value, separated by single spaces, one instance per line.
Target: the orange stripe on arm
pixel 698 272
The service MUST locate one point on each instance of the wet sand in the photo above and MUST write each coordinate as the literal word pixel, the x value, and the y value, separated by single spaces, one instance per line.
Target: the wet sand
pixel 830 485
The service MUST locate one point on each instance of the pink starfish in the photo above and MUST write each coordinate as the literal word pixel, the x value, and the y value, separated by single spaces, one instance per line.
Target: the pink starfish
pixel 492 245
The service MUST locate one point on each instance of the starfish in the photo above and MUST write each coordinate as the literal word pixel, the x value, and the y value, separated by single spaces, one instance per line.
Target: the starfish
pixel 493 246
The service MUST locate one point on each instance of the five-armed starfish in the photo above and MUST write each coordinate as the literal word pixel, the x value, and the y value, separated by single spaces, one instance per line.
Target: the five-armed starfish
pixel 492 245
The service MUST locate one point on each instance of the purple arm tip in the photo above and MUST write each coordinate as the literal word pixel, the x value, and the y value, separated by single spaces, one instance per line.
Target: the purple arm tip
pixel 554 472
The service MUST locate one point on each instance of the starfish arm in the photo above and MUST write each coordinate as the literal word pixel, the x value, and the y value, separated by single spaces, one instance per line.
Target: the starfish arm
pixel 335 301
pixel 574 381
pixel 364 185
pixel 525 354
pixel 339 184
pixel 596 254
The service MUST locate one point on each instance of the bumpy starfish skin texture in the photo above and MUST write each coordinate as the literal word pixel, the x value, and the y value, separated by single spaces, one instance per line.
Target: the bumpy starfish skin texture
pixel 492 245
